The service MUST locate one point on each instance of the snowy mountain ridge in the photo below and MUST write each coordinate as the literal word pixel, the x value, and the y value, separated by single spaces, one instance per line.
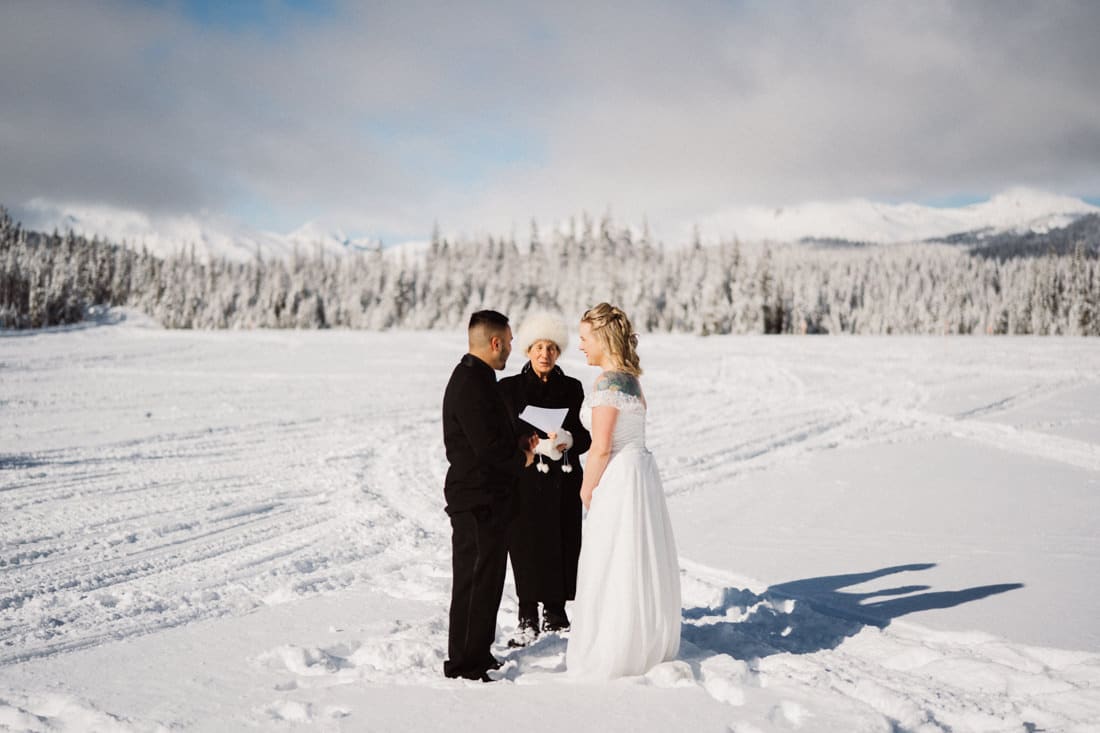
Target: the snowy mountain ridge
pixel 211 236
pixel 1017 210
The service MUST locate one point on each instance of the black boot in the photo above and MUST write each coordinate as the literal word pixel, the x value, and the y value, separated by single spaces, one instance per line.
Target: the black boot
pixel 554 618
pixel 528 628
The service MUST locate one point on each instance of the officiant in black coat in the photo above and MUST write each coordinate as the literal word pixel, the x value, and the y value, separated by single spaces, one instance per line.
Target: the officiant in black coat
pixel 544 536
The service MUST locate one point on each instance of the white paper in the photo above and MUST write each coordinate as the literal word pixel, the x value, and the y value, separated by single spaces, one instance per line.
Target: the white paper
pixel 546 419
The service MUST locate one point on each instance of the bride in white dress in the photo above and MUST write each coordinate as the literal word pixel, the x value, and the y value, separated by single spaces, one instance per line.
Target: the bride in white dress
pixel 626 617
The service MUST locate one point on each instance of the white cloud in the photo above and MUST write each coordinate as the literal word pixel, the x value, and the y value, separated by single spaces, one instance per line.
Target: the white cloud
pixel 385 119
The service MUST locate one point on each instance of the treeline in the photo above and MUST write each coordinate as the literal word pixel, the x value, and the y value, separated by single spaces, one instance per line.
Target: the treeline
pixel 728 288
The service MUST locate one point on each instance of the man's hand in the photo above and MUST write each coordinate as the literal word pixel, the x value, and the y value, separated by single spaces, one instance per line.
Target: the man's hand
pixel 527 444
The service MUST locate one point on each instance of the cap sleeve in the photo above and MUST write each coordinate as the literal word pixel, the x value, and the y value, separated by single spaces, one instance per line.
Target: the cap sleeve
pixel 611 398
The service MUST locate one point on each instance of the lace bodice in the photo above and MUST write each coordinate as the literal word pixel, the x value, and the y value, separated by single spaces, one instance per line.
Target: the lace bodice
pixel 630 425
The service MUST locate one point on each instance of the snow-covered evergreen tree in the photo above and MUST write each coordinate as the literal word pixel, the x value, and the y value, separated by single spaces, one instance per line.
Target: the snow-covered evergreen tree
pixel 731 287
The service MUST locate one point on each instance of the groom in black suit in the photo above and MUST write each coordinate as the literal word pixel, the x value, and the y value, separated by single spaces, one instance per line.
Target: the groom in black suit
pixel 486 456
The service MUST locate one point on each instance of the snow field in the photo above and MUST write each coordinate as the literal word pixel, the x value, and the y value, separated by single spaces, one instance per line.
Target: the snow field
pixel 246 529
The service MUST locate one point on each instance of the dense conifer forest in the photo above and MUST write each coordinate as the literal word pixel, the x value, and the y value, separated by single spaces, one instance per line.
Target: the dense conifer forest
pixel 1030 284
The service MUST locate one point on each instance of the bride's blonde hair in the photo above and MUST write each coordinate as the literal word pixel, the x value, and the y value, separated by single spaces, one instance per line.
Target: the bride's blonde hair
pixel 612 327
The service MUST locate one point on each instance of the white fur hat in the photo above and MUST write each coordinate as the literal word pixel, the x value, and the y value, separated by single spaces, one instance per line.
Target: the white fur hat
pixel 539 326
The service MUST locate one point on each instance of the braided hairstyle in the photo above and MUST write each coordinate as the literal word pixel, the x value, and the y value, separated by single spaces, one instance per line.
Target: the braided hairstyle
pixel 612 327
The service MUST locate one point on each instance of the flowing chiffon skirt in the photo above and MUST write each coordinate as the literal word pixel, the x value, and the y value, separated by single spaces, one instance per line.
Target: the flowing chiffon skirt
pixel 626 618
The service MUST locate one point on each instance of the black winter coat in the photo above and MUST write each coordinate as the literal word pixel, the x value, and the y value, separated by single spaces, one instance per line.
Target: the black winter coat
pixel 558 391
pixel 544 537
pixel 479 434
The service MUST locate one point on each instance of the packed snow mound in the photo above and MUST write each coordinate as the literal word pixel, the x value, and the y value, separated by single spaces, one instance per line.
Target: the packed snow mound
pixel 1016 210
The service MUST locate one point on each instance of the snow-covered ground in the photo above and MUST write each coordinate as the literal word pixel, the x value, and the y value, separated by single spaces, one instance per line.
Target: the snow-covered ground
pixel 244 531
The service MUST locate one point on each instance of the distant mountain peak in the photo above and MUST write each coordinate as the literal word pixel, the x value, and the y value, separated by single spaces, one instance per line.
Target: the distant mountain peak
pixel 211 236
pixel 1016 209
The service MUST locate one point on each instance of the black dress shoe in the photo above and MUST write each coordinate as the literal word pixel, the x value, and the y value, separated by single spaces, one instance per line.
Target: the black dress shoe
pixel 482 676
pixel 493 663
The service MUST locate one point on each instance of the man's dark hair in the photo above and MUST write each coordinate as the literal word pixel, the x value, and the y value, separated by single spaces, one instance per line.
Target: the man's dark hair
pixel 493 320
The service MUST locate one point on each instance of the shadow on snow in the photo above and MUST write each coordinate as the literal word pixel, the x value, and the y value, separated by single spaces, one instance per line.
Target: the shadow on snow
pixel 810 615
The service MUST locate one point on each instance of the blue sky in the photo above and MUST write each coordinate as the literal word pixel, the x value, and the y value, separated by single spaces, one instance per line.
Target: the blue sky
pixel 382 118
pixel 241 16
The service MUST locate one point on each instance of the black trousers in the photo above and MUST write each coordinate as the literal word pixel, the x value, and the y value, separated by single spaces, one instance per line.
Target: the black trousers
pixel 479 563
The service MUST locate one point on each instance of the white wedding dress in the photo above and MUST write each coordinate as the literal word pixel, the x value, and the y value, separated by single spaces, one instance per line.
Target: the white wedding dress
pixel 626 617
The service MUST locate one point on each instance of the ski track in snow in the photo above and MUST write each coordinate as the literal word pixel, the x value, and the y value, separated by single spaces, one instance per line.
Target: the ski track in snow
pixel 152 479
